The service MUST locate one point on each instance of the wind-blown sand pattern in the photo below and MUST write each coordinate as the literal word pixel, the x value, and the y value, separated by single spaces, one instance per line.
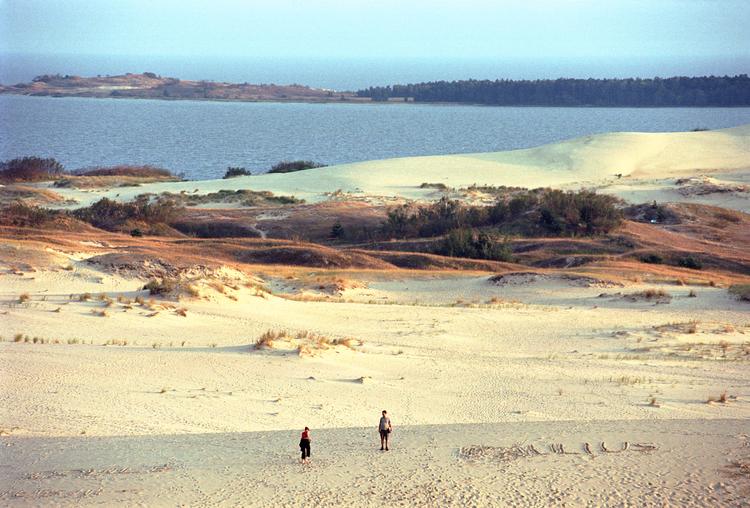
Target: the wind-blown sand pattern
pixel 617 383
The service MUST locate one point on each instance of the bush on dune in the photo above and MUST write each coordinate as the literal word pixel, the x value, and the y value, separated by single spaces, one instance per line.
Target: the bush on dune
pixel 161 287
pixel 233 172
pixel 741 291
pixel 21 215
pixel 468 243
pixel 145 171
pixel 291 166
pixel 30 169
pixel 536 212
pixel 111 215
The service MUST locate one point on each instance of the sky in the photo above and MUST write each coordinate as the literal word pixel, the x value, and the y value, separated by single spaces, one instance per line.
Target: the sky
pixel 701 33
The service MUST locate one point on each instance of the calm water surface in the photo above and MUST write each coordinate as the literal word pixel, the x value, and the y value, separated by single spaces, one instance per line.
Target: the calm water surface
pixel 200 139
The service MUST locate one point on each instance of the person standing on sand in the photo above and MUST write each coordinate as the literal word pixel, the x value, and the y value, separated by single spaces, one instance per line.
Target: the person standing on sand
pixel 304 445
pixel 385 429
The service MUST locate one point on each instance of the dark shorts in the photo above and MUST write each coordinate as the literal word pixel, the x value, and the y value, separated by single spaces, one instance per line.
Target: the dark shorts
pixel 384 433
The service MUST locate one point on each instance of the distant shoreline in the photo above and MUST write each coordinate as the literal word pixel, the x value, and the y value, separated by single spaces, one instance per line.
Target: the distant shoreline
pixel 149 85
pixel 363 101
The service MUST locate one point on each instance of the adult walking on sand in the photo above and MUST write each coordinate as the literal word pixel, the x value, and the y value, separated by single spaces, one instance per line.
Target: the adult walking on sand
pixel 385 429
pixel 304 445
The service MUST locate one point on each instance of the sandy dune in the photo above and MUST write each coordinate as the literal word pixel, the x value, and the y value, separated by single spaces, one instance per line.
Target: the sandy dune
pixel 645 160
pixel 437 465
pixel 108 400
pixel 551 359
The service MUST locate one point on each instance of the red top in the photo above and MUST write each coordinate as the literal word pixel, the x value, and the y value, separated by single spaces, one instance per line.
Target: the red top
pixel 305 434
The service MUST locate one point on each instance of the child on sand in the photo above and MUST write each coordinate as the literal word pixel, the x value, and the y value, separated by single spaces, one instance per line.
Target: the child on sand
pixel 304 445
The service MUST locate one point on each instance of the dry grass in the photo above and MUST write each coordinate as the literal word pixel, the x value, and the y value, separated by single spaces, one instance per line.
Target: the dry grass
pixel 99 313
pixel 629 380
pixel 658 295
pixel 84 297
pixel 690 327
pixel 306 343
pixel 217 286
pixel 721 398
pixel 182 311
pixel 266 340
pixel 24 297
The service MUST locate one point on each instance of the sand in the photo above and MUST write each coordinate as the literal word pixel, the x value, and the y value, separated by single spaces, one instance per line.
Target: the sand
pixel 144 406
pixel 453 367
pixel 646 161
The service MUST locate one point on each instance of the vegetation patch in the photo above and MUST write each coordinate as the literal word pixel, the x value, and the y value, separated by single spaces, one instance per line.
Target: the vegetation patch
pixel 305 343
pixel 114 216
pixel 233 172
pixel 741 291
pixel 244 197
pixel 30 169
pixel 291 166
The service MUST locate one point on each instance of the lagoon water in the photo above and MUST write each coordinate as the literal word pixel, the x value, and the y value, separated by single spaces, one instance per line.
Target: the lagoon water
pixel 200 139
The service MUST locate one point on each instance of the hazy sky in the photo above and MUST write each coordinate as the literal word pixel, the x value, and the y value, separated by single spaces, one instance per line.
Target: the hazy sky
pixel 385 28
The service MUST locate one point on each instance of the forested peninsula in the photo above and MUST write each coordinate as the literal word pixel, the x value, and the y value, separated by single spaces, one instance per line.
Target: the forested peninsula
pixel 726 91
pixel 632 92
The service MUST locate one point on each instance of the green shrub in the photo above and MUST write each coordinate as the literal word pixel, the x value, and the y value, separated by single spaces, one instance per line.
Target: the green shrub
pixel 652 258
pixel 690 262
pixel 29 169
pixel 291 166
pixel 467 243
pixel 161 287
pixel 337 231
pixel 21 215
pixel 233 172
pixel 110 215
pixel 126 170
pixel 741 291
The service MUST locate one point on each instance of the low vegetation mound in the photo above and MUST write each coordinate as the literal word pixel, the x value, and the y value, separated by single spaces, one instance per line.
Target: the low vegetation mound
pixel 741 291
pixel 291 166
pixel 141 216
pixel 425 261
pixel 309 255
pixel 215 229
pixel 243 197
pixel 233 172
pixel 37 169
pixel 30 169
pixel 468 243
pixel 545 212
pixel 476 231
pixel 126 170
pixel 22 215
pixel 652 213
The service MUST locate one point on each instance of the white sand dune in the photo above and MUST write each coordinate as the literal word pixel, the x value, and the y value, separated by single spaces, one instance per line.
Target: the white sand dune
pixel 437 465
pixel 188 413
pixel 588 161
pixel 214 422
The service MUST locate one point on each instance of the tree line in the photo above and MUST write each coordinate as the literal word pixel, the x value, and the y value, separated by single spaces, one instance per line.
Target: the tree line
pixel 631 92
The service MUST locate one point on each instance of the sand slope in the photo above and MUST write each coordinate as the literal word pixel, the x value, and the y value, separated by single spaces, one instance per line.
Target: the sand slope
pixel 438 465
pixel 591 160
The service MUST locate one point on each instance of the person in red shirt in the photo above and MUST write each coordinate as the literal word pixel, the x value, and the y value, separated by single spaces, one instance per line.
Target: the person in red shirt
pixel 304 445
